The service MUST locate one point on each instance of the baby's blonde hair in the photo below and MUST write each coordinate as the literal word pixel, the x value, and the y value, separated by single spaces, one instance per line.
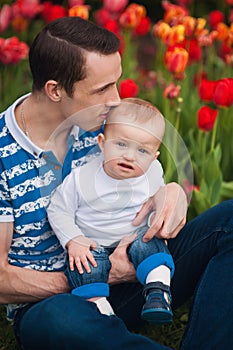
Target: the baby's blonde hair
pixel 138 112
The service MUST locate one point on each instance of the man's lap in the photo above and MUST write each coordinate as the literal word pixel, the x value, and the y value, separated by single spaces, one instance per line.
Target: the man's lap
pixel 66 321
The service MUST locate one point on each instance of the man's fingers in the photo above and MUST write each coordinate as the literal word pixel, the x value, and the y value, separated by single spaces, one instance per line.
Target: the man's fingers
pixel 171 227
pixel 145 209
pixel 160 231
pixel 175 232
pixel 126 241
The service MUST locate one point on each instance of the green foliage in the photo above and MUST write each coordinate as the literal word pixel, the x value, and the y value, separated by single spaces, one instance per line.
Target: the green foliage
pixel 7 339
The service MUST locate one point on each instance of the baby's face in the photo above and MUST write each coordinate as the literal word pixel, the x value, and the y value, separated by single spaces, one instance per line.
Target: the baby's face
pixel 128 150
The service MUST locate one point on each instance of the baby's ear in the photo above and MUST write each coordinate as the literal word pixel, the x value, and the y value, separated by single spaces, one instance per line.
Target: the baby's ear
pixel 101 139
pixel 157 154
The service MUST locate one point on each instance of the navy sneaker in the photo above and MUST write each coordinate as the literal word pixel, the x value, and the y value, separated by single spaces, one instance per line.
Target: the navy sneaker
pixel 157 308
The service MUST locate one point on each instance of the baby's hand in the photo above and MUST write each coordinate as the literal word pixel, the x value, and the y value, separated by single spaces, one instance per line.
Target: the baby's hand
pixel 79 251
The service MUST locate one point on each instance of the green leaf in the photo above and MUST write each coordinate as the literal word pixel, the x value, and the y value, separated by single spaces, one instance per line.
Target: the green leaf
pixel 227 189
pixel 200 202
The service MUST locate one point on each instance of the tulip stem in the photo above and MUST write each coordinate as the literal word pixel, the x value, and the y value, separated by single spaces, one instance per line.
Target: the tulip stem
pixel 214 132
pixel 204 133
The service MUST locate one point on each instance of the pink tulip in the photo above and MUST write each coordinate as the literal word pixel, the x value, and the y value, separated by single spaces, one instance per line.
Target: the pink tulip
pixel 5 17
pixel 73 3
pixel 26 8
pixel 12 50
pixel 115 5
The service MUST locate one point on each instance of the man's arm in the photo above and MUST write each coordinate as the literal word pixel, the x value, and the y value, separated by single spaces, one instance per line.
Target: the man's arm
pixel 122 269
pixel 19 285
pixel 170 206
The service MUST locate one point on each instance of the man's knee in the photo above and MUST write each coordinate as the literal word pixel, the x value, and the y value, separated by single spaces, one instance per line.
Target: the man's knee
pixel 58 322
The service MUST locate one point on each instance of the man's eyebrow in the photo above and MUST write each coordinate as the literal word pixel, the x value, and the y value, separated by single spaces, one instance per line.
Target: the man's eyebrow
pixel 102 88
pixel 106 86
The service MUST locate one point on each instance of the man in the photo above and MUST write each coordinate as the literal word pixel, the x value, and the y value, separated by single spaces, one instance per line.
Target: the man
pixel 74 65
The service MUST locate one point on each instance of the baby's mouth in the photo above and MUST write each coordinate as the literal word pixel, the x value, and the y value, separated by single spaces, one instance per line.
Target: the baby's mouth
pixel 126 166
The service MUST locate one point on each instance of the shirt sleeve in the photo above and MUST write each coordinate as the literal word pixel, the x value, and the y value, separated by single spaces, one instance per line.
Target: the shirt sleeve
pixel 62 208
pixel 155 176
pixel 6 209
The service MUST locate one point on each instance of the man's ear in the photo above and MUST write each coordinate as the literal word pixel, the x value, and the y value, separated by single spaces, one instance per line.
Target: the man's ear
pixel 101 139
pixel 53 90
pixel 157 154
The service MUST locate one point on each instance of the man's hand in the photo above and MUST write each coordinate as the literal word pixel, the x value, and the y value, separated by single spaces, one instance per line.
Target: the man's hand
pixel 122 269
pixel 170 206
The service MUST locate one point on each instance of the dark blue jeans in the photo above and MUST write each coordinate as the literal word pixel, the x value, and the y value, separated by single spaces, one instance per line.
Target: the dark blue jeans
pixel 145 256
pixel 203 256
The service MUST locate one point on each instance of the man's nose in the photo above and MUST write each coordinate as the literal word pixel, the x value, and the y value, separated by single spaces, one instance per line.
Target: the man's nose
pixel 114 98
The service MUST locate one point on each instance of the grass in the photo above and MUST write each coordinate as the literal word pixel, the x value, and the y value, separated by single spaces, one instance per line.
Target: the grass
pixel 169 335
pixel 7 341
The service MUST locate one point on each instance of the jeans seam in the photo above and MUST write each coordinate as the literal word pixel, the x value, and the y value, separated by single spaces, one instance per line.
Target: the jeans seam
pixel 127 301
pixel 197 243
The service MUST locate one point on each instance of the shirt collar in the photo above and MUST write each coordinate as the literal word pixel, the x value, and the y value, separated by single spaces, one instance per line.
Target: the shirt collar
pixel 17 133
pixel 22 139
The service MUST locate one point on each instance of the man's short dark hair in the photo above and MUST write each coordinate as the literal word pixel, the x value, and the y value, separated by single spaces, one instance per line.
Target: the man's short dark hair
pixel 58 51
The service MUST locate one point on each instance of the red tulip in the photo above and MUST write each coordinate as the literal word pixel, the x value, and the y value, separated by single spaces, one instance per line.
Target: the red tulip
pixel 112 26
pixel 12 50
pixel 224 51
pixel 215 17
pixel 229 2
pixel 193 49
pixel 51 12
pixel 206 89
pixel 143 26
pixel 206 118
pixel 128 88
pixel 223 95
pixel 102 16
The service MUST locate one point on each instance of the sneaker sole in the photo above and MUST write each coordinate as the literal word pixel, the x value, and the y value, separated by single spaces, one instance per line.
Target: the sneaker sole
pixel 158 316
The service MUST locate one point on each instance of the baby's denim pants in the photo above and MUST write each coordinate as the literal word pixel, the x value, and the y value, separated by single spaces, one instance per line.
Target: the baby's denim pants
pixel 145 257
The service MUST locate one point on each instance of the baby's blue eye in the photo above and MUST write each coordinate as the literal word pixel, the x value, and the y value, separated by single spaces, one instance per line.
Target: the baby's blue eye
pixel 121 144
pixel 142 150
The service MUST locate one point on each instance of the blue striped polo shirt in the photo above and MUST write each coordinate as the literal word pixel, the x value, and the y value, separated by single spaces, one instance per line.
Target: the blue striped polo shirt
pixel 28 175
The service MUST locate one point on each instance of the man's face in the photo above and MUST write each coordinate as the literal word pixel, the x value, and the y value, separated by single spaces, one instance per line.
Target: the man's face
pixel 98 88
